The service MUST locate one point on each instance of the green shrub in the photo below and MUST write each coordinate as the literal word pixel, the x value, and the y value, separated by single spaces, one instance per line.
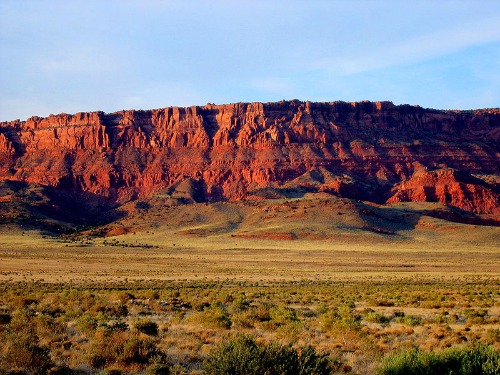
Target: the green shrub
pixel 113 371
pixel 213 317
pixel 48 326
pixel 147 326
pixel 22 352
pixel 243 356
pixel 475 316
pixel 376 317
pixel 441 319
pixel 409 320
pixel 263 312
pixel 117 325
pixel 342 318
pixel 244 319
pixel 290 331
pixel 475 360
pixel 122 347
pixel 20 348
pixel 240 304
pixel 493 335
pixel 23 321
pixel 158 369
pixel 136 350
pixel 283 314
pixel 87 324
pixel 239 356
pixel 312 363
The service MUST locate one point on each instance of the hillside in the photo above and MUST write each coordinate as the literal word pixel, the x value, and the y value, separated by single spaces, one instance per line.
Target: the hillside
pixel 373 152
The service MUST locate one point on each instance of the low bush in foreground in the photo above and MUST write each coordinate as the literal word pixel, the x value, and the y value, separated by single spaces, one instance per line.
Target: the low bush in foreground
pixel 147 327
pixel 475 360
pixel 158 327
pixel 243 356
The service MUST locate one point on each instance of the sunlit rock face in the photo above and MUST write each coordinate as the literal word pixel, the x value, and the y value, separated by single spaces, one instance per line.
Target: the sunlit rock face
pixel 371 151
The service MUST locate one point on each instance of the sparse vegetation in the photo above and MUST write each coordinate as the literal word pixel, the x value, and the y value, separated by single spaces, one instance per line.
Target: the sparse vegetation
pixel 147 327
pixel 243 356
pixel 182 327
pixel 202 292
pixel 467 360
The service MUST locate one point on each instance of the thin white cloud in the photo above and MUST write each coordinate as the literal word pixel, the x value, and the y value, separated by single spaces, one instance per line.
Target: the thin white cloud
pixel 413 50
pixel 109 55
pixel 81 60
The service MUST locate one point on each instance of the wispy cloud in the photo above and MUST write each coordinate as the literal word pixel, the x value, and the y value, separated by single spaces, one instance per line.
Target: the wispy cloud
pixel 428 45
pixel 78 60
pixel 109 55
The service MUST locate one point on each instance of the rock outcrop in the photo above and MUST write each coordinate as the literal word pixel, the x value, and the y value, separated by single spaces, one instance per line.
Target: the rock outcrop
pixel 448 187
pixel 371 151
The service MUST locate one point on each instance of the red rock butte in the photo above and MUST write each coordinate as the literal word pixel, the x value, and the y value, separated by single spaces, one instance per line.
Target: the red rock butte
pixel 374 151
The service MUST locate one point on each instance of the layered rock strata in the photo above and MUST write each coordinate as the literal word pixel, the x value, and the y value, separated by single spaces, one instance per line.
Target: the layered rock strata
pixel 372 151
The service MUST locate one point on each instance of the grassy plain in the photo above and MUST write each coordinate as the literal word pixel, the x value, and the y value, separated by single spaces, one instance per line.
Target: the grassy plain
pixel 28 256
pixel 354 282
pixel 257 241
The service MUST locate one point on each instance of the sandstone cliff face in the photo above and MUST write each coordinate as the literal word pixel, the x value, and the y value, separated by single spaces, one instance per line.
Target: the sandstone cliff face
pixel 448 187
pixel 366 150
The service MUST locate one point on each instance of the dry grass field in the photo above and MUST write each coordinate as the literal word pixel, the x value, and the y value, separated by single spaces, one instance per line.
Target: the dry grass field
pixel 290 240
pixel 355 282
pixel 28 256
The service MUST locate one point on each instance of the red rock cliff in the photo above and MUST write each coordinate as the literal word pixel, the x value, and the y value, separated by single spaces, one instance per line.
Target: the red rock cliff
pixel 366 150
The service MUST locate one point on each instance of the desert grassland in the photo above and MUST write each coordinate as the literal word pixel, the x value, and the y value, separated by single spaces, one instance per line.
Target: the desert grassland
pixel 287 239
pixel 170 256
pixel 165 296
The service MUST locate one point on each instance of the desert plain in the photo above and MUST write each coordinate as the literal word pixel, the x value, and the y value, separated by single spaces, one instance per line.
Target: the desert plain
pixel 357 282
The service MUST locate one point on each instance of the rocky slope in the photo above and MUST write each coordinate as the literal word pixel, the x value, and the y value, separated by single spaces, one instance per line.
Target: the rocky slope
pixel 370 151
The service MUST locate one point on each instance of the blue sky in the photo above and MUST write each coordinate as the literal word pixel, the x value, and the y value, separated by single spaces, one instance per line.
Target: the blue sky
pixel 71 56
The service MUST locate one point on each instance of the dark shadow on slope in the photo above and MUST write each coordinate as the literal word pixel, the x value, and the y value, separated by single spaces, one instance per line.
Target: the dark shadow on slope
pixel 282 193
pixel 52 210
pixel 389 220
pixel 458 215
